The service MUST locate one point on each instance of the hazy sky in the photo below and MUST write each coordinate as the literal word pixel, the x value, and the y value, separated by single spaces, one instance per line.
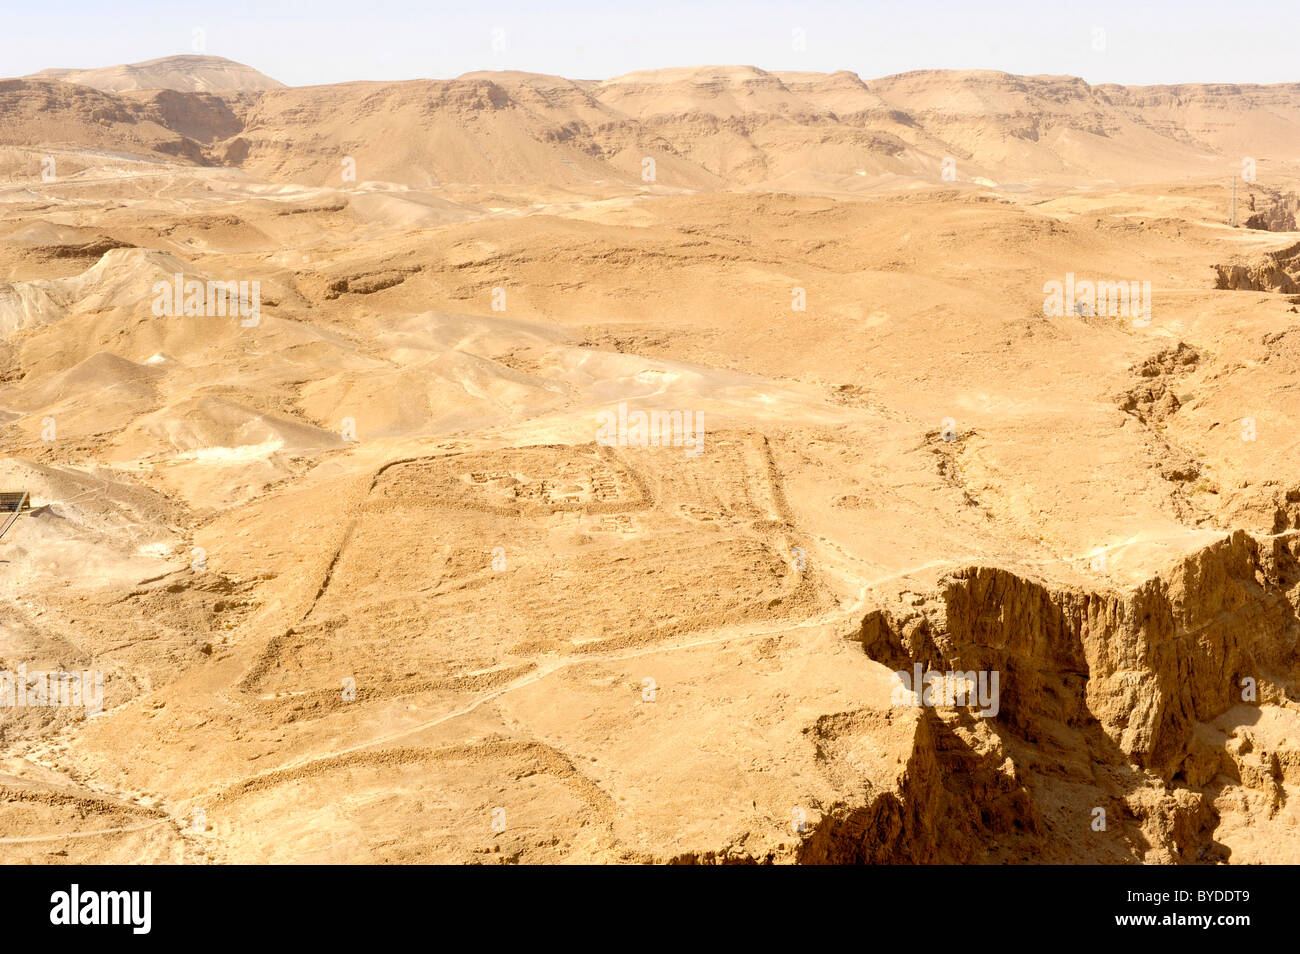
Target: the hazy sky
pixel 325 41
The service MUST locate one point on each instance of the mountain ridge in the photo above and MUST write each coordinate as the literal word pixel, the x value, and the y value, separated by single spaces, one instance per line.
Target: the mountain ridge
pixel 704 127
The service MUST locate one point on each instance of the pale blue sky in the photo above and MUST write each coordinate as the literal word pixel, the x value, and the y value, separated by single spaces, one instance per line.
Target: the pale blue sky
pixel 303 42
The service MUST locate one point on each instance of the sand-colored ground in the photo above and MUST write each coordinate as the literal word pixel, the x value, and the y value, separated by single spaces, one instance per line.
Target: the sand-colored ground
pixel 366 584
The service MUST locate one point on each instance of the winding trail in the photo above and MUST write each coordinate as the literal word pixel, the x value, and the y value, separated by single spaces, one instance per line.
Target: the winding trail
pixel 86 834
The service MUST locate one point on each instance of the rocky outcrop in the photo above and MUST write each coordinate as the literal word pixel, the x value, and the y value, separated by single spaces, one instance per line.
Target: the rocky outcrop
pixel 957 794
pixel 1275 272
pixel 1273 211
pixel 1130 677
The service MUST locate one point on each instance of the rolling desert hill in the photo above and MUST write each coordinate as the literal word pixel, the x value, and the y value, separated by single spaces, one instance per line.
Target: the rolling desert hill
pixel 370 576
pixel 190 74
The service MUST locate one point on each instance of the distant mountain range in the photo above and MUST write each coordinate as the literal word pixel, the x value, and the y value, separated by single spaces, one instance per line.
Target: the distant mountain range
pixel 692 128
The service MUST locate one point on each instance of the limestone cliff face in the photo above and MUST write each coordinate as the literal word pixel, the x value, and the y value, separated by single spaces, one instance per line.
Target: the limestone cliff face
pixel 957 792
pixel 1146 665
pixel 1129 676
pixel 1274 272
pixel 1273 211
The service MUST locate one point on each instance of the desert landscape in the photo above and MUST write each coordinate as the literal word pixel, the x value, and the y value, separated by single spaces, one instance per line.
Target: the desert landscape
pixel 521 469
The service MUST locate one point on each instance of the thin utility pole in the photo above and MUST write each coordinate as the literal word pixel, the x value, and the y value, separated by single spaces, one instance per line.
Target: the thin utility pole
pixel 1232 220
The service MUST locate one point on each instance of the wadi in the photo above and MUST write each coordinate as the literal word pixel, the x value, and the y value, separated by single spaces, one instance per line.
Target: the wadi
pixel 521 469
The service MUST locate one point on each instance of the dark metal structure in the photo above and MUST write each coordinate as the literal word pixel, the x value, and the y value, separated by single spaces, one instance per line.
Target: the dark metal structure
pixel 12 504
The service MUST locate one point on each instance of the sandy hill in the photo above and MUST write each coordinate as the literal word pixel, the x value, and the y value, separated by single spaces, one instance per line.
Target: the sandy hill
pixel 188 73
